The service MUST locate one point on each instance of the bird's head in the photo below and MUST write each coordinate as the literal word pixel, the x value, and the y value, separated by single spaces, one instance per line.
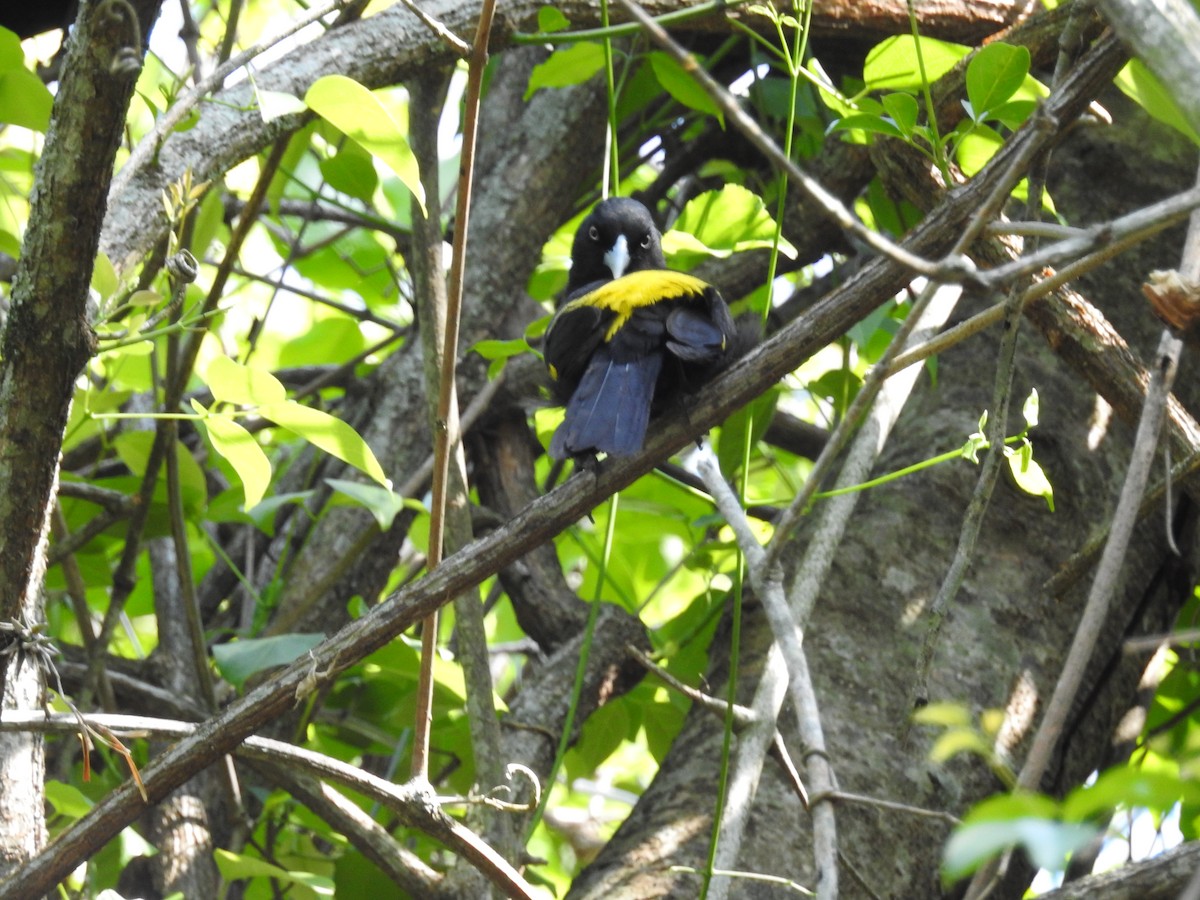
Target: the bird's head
pixel 616 238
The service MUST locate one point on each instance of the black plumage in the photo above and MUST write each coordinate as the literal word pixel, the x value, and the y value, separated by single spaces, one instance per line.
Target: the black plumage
pixel 630 334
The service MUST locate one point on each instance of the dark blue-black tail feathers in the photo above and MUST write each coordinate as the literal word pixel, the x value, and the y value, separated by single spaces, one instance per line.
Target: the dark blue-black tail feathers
pixel 610 409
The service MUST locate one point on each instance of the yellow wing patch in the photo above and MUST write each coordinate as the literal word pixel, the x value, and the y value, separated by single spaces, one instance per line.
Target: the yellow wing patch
pixel 629 292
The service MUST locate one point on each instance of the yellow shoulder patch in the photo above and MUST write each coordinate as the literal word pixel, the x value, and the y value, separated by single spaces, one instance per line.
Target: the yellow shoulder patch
pixel 629 292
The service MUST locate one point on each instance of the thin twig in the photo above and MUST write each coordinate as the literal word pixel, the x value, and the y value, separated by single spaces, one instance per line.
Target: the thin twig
pixel 768 586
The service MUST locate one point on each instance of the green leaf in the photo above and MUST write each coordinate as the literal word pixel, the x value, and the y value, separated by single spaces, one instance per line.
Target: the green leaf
pixel 945 714
pixel 104 277
pixel 232 382
pixel 351 172
pixel 1048 843
pixel 361 116
pixel 241 450
pixel 1030 477
pixel 903 110
pixel 1140 85
pixel 567 66
pixel 683 87
pixel 720 223
pixel 275 104
pixel 993 75
pixel 24 100
pixel 238 660
pixel 892 64
pixel 1125 787
pixel 494 349
pixel 550 19
pixel 67 799
pixel 868 122
pixel 382 503
pixel 327 432
pixel 303 885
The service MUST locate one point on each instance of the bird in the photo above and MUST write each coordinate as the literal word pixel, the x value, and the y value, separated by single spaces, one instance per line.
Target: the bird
pixel 630 336
pixel 28 19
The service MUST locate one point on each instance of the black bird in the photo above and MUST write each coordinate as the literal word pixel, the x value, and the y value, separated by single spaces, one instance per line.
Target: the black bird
pixel 28 18
pixel 630 334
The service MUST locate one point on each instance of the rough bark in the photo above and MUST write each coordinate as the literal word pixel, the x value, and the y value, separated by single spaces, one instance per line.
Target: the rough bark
pixel 46 342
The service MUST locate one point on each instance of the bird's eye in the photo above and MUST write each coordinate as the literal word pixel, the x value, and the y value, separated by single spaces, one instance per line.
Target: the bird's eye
pixel 646 241
pixel 594 232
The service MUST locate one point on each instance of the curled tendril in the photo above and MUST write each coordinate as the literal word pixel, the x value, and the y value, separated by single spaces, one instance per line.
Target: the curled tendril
pixel 127 59
pixel 182 267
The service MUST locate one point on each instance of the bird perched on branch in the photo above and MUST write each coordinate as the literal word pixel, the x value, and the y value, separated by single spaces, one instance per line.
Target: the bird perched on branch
pixel 630 335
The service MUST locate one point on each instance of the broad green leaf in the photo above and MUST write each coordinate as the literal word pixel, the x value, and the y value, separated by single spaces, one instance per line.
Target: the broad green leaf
pixel 892 64
pixel 241 450
pixel 351 172
pixel 232 382
pixel 903 110
pixel 569 65
pixel 1140 85
pixel 994 74
pixel 361 116
pixel 24 100
pixel 67 799
pixel 238 660
pixel 682 86
pixel 329 433
pixel 382 503
pixel 726 221
pixel 11 54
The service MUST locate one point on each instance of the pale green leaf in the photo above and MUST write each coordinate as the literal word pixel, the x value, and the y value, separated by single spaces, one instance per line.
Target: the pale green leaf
pixel 329 433
pixel 382 503
pixel 232 382
pixel 362 116
pixel 274 104
pixel 892 64
pixel 1029 410
pixel 241 451
pixel 726 221
pixel 1030 477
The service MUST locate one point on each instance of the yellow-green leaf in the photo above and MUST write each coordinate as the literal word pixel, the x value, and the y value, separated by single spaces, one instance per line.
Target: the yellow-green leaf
pixel 361 116
pixel 327 432
pixel 232 382
pixel 241 450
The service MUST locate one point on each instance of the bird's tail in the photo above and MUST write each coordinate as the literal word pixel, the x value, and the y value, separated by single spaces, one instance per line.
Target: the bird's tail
pixel 609 410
